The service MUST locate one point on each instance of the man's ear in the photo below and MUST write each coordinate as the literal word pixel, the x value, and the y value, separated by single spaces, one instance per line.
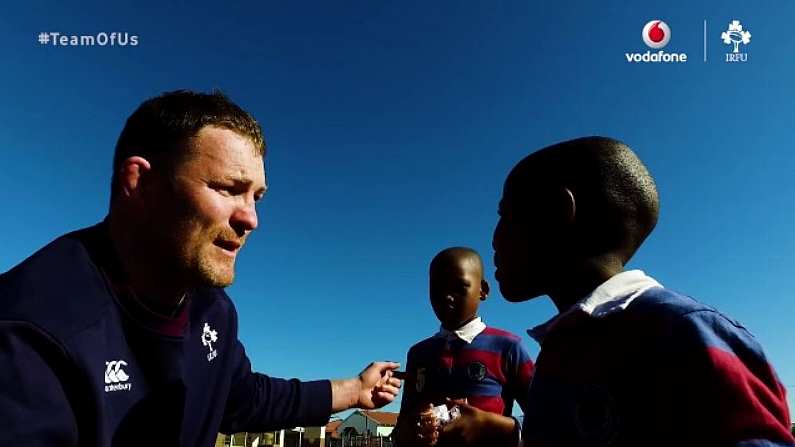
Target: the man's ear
pixel 131 174
pixel 484 289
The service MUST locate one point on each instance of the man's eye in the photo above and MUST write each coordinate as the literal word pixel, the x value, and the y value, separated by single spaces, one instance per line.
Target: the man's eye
pixel 223 190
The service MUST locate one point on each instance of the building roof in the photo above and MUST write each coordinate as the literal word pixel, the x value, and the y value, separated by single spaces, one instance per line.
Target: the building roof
pixel 383 418
pixel 331 428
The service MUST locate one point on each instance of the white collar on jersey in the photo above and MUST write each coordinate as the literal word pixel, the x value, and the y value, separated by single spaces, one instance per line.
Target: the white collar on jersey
pixel 467 332
pixel 613 295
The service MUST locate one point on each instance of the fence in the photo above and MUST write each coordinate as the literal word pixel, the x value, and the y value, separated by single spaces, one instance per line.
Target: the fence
pixel 359 441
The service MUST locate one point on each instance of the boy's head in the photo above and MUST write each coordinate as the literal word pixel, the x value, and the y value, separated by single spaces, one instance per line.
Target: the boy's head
pixel 576 205
pixel 457 286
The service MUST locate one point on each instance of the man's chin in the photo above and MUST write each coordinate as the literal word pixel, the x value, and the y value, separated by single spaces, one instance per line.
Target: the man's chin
pixel 221 283
pixel 208 276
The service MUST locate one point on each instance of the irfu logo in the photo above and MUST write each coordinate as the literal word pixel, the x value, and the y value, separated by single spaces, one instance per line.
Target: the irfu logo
pixel 736 36
pixel 209 336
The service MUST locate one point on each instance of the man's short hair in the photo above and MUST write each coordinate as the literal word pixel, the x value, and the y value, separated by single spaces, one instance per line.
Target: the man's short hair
pixel 160 127
pixel 616 197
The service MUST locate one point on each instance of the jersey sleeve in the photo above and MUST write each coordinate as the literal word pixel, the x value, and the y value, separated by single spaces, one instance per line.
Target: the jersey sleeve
pixel 403 434
pixel 35 404
pixel 257 402
pixel 729 393
pixel 520 373
pixel 408 401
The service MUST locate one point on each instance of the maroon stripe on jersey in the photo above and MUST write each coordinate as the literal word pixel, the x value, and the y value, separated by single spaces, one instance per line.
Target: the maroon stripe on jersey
pixel 757 410
pixel 526 370
pixel 500 333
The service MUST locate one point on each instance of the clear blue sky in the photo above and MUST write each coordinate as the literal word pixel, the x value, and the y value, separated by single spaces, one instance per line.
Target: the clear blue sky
pixel 391 126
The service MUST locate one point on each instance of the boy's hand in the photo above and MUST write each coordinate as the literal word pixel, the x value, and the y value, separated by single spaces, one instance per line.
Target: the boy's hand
pixel 427 427
pixel 417 429
pixel 477 427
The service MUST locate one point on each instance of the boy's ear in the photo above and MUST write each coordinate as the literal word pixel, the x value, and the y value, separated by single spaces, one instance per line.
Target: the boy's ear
pixel 568 205
pixel 484 289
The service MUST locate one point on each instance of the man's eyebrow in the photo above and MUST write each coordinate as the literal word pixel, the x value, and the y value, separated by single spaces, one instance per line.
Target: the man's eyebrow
pixel 238 179
pixel 245 182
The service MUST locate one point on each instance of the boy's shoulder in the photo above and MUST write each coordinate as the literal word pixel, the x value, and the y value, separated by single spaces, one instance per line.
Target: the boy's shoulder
pixel 497 340
pixel 659 303
pixel 667 301
pixel 491 331
pixel 671 314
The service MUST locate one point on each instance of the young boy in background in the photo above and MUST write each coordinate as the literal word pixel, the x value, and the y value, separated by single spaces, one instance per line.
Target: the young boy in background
pixel 480 368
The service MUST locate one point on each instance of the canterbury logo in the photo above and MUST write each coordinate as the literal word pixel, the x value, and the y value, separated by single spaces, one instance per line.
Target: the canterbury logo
pixel 114 373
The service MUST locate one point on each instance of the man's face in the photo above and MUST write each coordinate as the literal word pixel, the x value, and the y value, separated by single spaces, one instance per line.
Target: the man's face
pixel 208 210
pixel 456 290
pixel 525 247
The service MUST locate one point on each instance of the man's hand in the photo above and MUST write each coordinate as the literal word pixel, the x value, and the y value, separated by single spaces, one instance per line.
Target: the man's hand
pixel 374 388
pixel 378 386
pixel 478 427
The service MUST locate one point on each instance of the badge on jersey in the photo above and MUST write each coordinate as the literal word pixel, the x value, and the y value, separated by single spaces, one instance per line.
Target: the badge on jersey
pixel 476 371
pixel 596 416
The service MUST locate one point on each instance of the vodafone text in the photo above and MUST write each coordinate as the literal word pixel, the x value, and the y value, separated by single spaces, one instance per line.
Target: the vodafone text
pixel 659 56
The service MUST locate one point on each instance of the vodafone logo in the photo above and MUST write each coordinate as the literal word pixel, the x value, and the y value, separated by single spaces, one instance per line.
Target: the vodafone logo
pixel 656 34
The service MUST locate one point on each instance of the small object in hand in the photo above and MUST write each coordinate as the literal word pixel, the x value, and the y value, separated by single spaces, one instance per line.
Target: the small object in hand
pixel 400 375
pixel 444 415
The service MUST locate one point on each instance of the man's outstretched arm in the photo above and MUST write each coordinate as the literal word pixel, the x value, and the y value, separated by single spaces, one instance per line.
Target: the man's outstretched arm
pixel 258 402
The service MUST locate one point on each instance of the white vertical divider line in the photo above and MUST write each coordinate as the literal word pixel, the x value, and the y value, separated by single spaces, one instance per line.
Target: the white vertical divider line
pixel 705 40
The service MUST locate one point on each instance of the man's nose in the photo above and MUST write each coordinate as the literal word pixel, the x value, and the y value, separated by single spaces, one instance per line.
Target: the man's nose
pixel 244 219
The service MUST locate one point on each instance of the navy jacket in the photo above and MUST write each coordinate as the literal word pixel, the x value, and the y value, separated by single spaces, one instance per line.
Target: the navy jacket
pixel 84 363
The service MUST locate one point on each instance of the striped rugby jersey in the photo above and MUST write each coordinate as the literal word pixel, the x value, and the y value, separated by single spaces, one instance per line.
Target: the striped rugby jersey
pixel 664 371
pixel 491 372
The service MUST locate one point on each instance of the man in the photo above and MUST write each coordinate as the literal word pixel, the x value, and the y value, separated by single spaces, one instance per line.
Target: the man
pixel 626 362
pixel 121 334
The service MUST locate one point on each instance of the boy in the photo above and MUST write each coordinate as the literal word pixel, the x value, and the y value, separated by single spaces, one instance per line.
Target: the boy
pixel 467 361
pixel 627 362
